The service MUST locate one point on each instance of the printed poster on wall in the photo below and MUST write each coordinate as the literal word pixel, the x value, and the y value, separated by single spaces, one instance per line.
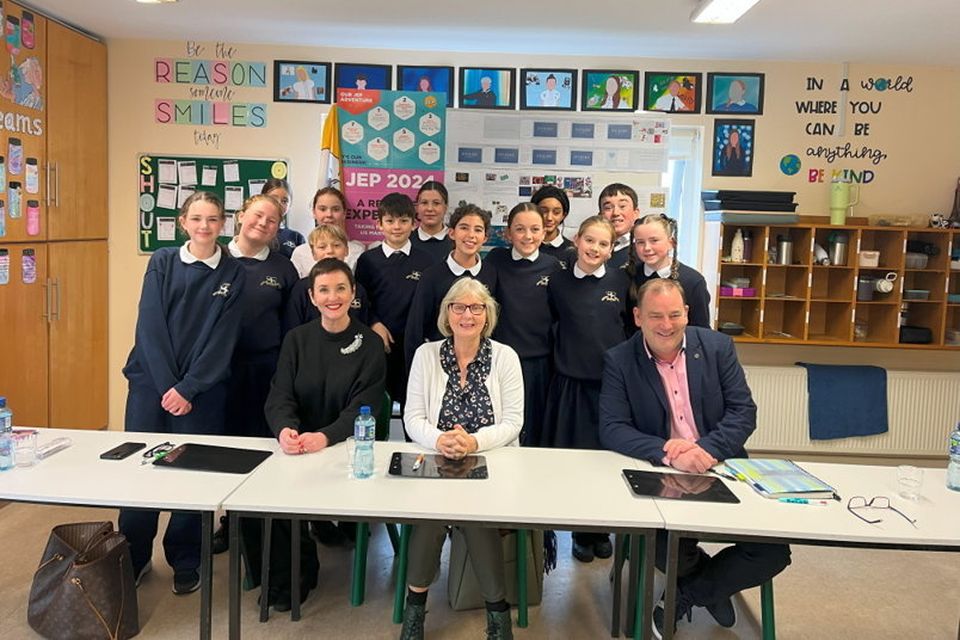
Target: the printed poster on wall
pixel 390 141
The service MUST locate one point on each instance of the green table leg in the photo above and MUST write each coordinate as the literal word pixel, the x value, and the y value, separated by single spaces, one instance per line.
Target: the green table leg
pixel 401 589
pixel 394 536
pixel 768 620
pixel 359 586
pixel 639 613
pixel 522 578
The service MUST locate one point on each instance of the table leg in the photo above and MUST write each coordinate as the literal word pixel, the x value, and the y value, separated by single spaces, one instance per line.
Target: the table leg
pixel 265 569
pixel 633 577
pixel 234 575
pixel 618 560
pixel 295 569
pixel 206 575
pixel 522 578
pixel 400 591
pixel 358 585
pixel 767 617
pixel 644 586
pixel 670 595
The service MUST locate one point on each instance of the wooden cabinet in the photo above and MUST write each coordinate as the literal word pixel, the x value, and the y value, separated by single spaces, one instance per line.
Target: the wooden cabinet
pixel 800 300
pixel 53 225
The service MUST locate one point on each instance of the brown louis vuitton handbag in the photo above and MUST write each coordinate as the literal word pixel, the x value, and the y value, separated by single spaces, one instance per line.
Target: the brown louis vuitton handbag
pixel 83 588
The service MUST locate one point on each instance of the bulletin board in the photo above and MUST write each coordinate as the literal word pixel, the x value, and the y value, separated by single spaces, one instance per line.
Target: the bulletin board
pixel 166 181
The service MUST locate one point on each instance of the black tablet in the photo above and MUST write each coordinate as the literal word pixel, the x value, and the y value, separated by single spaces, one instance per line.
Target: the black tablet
pixel 678 486
pixel 434 465
pixel 205 457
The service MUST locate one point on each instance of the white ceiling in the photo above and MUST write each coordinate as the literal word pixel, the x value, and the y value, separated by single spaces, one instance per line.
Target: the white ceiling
pixel 883 31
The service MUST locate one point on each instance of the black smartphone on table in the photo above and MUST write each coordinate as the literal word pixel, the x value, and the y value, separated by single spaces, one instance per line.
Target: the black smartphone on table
pixel 122 451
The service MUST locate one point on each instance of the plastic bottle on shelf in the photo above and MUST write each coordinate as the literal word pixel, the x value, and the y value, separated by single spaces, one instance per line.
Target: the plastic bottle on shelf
pixel 736 247
pixel 953 466
pixel 364 433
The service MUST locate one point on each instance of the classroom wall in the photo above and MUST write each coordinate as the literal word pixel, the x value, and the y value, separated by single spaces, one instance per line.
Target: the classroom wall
pixel 917 130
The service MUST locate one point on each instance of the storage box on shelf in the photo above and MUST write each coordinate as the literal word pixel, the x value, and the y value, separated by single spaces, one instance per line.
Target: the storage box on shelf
pixel 802 299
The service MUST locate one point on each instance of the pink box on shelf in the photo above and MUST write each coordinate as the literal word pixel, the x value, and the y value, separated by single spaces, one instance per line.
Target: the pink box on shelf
pixel 737 292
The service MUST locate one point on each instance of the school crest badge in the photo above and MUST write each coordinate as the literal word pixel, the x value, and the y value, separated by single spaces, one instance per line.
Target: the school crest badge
pixel 355 303
pixel 610 296
pixel 271 281
pixel 223 290
pixel 414 275
pixel 543 281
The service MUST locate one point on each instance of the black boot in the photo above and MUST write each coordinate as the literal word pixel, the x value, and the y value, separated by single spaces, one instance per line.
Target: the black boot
pixel 221 537
pixel 499 625
pixel 413 616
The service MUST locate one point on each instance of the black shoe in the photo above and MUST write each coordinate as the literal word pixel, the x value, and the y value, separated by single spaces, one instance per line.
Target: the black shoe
pixel 684 607
pixel 221 537
pixel 723 612
pixel 499 626
pixel 185 582
pixel 602 548
pixel 282 601
pixel 413 615
pixel 327 533
pixel 583 551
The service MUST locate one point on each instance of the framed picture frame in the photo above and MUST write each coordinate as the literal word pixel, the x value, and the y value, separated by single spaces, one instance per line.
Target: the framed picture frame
pixel 734 146
pixel 487 88
pixel 735 93
pixel 347 75
pixel 301 81
pixel 427 78
pixel 609 90
pixel 672 92
pixel 548 89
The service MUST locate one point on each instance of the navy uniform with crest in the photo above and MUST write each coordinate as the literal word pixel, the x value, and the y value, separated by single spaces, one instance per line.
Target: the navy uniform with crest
pixel 270 278
pixel 287 240
pixel 187 327
pixel 525 324
pixel 390 277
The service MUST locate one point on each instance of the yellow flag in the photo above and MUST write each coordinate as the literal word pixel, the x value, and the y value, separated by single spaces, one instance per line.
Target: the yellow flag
pixel 330 169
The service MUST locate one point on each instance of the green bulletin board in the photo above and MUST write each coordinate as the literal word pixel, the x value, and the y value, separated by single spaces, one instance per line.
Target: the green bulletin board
pixel 166 181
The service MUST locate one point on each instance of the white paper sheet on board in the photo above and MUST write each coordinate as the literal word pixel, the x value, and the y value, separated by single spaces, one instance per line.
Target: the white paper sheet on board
pixel 167 170
pixel 209 176
pixel 167 196
pixel 184 192
pixel 233 198
pixel 187 170
pixel 231 171
pixel 166 229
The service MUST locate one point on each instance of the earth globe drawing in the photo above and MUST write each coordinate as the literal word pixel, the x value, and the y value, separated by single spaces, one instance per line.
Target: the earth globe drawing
pixel 790 164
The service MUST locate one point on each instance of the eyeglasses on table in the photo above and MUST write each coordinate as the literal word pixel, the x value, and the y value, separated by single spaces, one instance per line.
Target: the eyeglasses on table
pixel 877 502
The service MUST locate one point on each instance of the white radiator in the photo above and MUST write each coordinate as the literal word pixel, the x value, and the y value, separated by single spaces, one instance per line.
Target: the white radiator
pixel 922 409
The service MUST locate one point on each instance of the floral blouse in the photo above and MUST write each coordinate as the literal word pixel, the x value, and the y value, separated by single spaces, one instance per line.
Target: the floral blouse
pixel 470 405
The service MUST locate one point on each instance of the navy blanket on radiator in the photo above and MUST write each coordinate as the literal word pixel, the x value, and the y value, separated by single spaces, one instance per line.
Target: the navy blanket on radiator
pixel 846 401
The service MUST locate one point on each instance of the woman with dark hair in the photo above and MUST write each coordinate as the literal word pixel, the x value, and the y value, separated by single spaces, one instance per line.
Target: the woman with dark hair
pixel 327 370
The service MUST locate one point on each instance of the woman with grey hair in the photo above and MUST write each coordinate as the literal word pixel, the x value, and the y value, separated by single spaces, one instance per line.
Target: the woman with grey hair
pixel 464 395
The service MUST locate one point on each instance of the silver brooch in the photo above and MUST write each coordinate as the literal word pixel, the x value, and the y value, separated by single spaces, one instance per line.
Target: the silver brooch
pixel 353 346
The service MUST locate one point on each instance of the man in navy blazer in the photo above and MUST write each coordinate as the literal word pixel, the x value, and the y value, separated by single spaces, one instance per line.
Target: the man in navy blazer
pixel 676 395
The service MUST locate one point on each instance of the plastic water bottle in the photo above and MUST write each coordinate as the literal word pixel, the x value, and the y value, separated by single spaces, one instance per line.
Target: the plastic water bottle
pixel 953 467
pixel 6 436
pixel 364 432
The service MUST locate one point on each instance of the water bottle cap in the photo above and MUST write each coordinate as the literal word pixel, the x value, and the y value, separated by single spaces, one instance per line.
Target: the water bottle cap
pixel 3 401
pixel 364 410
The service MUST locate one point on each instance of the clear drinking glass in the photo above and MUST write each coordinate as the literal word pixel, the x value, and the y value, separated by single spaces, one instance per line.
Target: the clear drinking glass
pixel 25 448
pixel 351 449
pixel 909 481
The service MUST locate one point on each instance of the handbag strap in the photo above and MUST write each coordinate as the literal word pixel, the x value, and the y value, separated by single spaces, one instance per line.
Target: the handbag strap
pixel 115 634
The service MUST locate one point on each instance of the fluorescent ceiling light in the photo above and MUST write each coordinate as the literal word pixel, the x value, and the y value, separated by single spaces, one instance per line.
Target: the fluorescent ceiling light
pixel 156 1
pixel 721 11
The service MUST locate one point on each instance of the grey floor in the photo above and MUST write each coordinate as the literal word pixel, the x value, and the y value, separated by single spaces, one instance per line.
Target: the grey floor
pixel 825 594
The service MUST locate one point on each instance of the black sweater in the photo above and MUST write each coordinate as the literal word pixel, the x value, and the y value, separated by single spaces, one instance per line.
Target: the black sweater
pixel 264 300
pixel 525 320
pixel 324 378
pixel 694 289
pixel 391 283
pixel 438 250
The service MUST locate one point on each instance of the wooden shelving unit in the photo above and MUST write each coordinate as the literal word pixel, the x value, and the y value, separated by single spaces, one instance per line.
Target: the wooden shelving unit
pixel 805 302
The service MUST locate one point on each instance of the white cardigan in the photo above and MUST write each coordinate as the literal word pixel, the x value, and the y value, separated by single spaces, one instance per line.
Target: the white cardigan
pixel 428 381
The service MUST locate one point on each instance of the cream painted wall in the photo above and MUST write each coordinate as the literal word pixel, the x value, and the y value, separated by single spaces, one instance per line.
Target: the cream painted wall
pixel 919 131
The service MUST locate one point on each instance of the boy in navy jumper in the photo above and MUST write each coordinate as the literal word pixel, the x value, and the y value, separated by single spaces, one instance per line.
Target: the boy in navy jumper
pixel 431 236
pixel 618 204
pixel 469 229
pixel 390 273
pixel 187 326
pixel 523 273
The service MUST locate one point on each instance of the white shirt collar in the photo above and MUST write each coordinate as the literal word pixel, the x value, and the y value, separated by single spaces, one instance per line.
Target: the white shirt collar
pixel 622 242
pixel 556 242
pixel 424 236
pixel 663 272
pixel 389 251
pixel 234 250
pixel 532 257
pixel 580 273
pixel 188 258
pixel 459 271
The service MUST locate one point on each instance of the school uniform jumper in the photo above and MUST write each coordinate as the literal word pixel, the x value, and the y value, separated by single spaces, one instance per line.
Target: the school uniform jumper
pixel 438 247
pixel 187 327
pixel 322 380
pixel 526 325
pixel 390 277
pixel 560 248
pixel 694 290
pixel 269 279
pixel 288 240
pixel 433 286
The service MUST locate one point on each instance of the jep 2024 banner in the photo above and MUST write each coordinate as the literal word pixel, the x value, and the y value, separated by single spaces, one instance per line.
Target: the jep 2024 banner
pixel 389 141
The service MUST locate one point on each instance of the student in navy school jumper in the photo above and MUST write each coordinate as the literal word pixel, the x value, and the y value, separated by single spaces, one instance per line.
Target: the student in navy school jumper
pixel 287 239
pixel 618 204
pixel 187 326
pixel 554 206
pixel 390 273
pixel 431 236
pixel 270 277
pixel 654 255
pixel 469 229
pixel 588 303
pixel 325 241
pixel 329 207
pixel 523 273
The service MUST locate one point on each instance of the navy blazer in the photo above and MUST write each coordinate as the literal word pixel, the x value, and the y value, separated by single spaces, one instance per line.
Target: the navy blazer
pixel 635 416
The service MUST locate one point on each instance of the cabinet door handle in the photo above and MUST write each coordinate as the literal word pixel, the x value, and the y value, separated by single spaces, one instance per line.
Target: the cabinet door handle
pixel 56 192
pixel 55 311
pixel 46 301
pixel 48 185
